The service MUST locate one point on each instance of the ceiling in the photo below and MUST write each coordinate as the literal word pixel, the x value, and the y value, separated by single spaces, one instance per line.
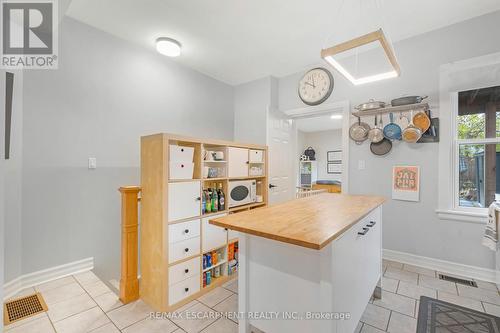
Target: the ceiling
pixel 239 41
pixel 318 123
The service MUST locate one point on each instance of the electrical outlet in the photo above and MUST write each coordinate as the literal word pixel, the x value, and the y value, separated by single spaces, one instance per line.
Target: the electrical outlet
pixel 92 163
pixel 361 164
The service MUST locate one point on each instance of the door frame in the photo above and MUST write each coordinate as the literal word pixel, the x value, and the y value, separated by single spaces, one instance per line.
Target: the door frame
pixel 343 107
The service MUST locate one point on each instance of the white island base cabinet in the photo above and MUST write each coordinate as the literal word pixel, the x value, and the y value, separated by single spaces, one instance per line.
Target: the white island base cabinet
pixel 305 290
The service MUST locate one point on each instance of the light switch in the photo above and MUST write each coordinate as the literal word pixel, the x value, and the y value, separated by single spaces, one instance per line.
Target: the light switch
pixel 92 163
pixel 361 164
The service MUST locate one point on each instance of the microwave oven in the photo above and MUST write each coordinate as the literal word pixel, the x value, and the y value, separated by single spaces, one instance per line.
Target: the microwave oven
pixel 242 192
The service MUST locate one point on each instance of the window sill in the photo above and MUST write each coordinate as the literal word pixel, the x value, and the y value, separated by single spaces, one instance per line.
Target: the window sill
pixel 462 216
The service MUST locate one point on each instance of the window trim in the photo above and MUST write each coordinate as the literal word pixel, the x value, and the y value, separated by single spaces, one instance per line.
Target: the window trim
pixel 448 205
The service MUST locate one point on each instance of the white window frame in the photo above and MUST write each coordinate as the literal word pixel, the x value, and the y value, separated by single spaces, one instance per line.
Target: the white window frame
pixel 449 208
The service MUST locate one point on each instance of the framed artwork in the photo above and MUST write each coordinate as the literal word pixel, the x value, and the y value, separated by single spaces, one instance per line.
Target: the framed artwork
pixel 334 168
pixel 334 156
pixel 406 183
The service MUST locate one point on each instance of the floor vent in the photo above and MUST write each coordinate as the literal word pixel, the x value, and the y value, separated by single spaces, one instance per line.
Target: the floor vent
pixel 23 307
pixel 470 283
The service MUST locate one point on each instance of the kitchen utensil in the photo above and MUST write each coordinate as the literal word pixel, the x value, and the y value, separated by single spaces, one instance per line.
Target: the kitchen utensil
pixel 309 152
pixel 411 133
pixel 381 148
pixel 376 134
pixel 392 131
pixel 403 121
pixel 406 100
pixel 358 131
pixel 370 105
pixel 422 121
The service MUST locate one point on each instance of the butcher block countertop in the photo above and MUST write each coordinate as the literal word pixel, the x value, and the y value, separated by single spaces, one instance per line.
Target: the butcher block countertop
pixel 311 222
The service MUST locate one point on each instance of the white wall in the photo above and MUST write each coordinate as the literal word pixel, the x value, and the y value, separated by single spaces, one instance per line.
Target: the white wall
pixel 105 95
pixel 2 193
pixel 414 227
pixel 321 142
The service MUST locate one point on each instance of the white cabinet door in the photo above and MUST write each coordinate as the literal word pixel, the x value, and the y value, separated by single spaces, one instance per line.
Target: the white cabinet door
pixel 183 200
pixel 348 254
pixel 212 236
pixel 238 162
pixel 231 234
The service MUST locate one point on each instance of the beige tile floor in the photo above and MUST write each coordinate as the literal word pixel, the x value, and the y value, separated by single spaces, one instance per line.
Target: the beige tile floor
pixel 83 303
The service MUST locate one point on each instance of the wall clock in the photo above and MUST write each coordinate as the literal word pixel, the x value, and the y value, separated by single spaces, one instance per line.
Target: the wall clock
pixel 316 86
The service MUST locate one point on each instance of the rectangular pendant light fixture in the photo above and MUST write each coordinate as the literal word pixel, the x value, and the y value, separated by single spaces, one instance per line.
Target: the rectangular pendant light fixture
pixel 327 55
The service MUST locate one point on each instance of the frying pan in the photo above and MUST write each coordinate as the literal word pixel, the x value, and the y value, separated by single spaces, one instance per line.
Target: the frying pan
pixel 358 132
pixel 381 148
pixel 407 100
pixel 376 134
pixel 412 133
pixel 392 131
pixel 422 121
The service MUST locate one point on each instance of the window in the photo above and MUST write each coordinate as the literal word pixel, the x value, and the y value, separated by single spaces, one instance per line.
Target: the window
pixel 477 147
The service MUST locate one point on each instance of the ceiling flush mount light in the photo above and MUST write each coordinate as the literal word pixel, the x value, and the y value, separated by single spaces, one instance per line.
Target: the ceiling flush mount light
pixel 168 46
pixel 336 116
pixel 376 36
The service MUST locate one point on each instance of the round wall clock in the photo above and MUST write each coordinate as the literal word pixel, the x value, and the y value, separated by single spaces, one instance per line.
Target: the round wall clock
pixel 316 86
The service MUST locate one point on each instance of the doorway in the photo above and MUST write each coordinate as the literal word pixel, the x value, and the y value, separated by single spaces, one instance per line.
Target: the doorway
pixel 290 132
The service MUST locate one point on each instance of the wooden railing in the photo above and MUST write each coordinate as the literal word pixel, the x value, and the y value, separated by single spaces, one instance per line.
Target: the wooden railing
pixel 303 192
pixel 129 283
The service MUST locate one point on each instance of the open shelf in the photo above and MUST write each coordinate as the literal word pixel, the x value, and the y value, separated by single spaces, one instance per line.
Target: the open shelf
pixel 247 177
pixel 248 206
pixel 394 109
pixel 219 263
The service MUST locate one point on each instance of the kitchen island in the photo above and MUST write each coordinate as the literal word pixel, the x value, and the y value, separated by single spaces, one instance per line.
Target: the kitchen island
pixel 308 265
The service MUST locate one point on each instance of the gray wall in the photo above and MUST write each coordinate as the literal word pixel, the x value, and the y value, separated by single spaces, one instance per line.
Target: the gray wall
pixel 13 179
pixel 251 101
pixel 104 96
pixel 2 194
pixel 414 227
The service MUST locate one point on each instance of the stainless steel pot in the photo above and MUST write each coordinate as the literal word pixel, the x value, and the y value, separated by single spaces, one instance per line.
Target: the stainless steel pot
pixel 370 105
pixel 358 132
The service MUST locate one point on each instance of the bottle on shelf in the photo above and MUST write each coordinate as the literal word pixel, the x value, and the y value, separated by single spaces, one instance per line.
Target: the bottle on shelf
pixel 208 200
pixel 203 202
pixel 215 200
pixel 220 194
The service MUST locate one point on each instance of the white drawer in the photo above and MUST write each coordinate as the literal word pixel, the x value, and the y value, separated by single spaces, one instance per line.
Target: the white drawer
pixel 256 156
pixel 182 231
pixel 183 249
pixel 181 153
pixel 183 289
pixel 183 271
pixel 181 170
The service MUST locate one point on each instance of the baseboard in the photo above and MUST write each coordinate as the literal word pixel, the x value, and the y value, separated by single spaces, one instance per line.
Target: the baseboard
pixel 449 267
pixel 32 279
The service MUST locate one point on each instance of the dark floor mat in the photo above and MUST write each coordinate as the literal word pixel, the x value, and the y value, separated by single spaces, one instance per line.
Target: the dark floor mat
pixel 435 316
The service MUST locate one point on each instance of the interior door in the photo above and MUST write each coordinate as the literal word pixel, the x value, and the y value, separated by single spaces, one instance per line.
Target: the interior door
pixel 281 158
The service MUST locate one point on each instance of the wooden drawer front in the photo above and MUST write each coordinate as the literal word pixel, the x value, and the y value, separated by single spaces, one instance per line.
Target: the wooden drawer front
pixel 181 153
pixel 182 231
pixel 183 200
pixel 183 271
pixel 179 291
pixel 256 156
pixel 213 236
pixel 181 170
pixel 183 249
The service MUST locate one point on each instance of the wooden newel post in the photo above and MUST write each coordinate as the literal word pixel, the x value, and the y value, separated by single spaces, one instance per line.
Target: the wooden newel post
pixel 129 284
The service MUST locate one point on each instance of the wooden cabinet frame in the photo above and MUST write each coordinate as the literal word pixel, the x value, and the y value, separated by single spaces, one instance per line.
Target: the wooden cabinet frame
pixel 154 239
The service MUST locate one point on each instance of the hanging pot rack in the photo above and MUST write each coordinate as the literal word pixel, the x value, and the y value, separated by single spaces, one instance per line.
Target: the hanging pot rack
pixel 392 109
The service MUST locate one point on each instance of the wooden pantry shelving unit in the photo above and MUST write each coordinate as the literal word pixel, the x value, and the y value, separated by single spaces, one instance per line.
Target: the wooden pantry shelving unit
pixel 174 234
